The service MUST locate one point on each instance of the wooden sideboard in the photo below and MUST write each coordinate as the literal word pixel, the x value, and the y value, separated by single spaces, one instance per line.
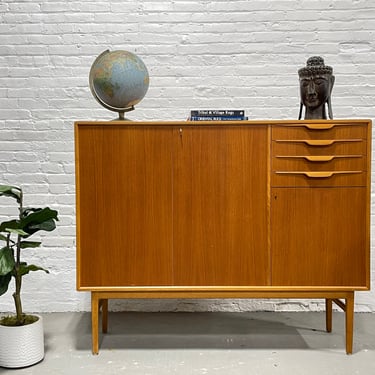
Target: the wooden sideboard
pixel 239 209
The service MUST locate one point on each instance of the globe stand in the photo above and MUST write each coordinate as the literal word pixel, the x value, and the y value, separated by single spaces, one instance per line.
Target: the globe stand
pixel 121 114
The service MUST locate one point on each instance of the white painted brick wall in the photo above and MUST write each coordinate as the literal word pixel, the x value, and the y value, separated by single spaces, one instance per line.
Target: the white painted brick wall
pixel 200 54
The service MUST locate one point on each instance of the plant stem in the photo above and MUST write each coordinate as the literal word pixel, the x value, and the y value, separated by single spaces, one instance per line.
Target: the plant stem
pixel 18 276
pixel 17 298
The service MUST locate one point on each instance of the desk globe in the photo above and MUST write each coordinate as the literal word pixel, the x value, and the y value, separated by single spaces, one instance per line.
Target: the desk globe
pixel 118 80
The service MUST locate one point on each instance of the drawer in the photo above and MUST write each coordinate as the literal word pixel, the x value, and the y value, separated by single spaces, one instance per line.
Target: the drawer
pixel 319 163
pixel 328 131
pixel 319 147
pixel 327 178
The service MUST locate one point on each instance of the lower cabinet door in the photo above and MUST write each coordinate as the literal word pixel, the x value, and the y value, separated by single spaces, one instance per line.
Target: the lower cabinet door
pixel 318 237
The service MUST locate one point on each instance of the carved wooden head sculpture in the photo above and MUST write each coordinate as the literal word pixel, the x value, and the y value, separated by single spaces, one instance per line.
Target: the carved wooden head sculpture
pixel 316 83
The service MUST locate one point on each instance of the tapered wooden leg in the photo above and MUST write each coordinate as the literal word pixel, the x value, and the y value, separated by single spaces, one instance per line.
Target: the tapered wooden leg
pixel 349 322
pixel 104 304
pixel 328 314
pixel 95 322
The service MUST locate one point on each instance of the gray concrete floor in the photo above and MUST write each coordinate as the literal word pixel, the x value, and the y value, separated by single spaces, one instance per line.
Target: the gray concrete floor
pixel 206 343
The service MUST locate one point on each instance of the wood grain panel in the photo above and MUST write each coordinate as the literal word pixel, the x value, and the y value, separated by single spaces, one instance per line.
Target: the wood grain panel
pixel 343 131
pixel 332 179
pixel 299 171
pixel 125 206
pixel 337 148
pixel 332 163
pixel 319 237
pixel 220 206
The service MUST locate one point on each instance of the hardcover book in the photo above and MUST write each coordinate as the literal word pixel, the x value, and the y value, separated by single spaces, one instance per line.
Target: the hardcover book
pixel 217 112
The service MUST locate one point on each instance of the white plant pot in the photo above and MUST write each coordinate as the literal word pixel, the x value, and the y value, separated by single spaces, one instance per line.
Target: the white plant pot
pixel 21 346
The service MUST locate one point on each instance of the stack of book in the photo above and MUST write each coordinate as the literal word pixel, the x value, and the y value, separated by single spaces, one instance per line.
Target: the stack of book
pixel 217 115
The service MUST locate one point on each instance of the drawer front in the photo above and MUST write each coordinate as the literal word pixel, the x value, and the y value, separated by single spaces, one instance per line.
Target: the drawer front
pixel 319 147
pixel 327 178
pixel 319 131
pixel 319 163
pixel 319 155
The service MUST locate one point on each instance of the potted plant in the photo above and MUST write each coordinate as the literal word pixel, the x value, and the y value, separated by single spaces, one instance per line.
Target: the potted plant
pixel 16 330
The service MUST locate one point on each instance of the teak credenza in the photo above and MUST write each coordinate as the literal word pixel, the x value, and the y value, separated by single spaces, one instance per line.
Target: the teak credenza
pixel 239 209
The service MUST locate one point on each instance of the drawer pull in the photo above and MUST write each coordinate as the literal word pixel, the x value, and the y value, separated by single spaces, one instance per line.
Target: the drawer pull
pixel 318 158
pixel 318 142
pixel 319 126
pixel 326 174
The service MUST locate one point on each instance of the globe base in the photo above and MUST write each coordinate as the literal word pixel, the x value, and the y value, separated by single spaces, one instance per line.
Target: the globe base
pixel 121 114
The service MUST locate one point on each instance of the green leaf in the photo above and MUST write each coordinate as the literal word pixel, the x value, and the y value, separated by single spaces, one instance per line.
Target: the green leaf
pixel 17 231
pixel 35 219
pixel 3 238
pixel 11 224
pixel 4 283
pixel 11 191
pixel 6 261
pixel 48 225
pixel 25 269
pixel 26 244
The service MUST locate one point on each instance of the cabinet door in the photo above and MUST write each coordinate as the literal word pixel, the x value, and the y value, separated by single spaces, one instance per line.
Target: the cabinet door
pixel 319 237
pixel 124 182
pixel 220 206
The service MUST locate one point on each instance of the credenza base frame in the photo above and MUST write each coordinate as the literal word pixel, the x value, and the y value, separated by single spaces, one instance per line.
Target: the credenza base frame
pixel 343 299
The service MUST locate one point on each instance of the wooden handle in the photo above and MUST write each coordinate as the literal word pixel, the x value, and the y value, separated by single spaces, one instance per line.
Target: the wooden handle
pixel 322 174
pixel 319 142
pixel 319 126
pixel 317 158
pixel 326 142
pixel 318 174
pixel 312 142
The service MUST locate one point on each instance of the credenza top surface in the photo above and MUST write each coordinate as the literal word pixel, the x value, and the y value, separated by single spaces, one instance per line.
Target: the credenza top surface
pixel 174 123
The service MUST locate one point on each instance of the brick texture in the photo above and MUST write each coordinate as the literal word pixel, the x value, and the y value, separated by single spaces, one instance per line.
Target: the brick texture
pixel 200 54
